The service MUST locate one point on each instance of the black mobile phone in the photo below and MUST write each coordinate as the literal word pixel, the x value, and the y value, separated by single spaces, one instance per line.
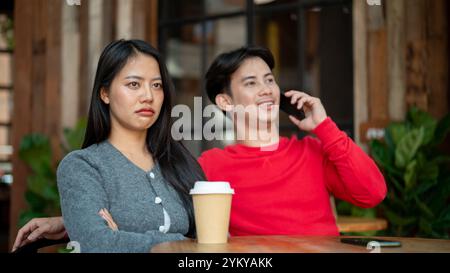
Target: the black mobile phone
pixel 366 241
pixel 290 109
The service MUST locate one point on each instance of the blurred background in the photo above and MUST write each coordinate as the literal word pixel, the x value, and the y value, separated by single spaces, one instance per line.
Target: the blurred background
pixel 379 67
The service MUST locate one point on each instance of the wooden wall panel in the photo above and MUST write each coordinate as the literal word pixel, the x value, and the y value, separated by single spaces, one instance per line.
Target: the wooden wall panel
pixel 377 64
pixel 53 76
pixel 416 58
pixel 21 120
pixel 37 77
pixel 360 77
pixel 83 98
pixel 396 58
pixel 152 22
pixel 437 65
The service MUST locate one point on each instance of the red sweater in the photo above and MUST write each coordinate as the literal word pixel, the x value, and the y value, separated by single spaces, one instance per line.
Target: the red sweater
pixel 287 191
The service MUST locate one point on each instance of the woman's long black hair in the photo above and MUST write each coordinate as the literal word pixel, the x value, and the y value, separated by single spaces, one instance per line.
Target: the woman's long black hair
pixel 179 168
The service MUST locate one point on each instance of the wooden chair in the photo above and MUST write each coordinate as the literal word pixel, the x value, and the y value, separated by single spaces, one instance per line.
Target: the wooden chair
pixel 357 224
pixel 41 243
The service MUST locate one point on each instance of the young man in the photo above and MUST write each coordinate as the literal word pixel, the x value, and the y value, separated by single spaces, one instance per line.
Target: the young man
pixel 282 185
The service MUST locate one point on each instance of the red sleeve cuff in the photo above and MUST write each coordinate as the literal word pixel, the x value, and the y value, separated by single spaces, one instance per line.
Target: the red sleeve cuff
pixel 327 131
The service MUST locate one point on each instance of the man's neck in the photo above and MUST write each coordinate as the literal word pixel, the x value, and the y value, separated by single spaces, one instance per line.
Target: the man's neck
pixel 257 137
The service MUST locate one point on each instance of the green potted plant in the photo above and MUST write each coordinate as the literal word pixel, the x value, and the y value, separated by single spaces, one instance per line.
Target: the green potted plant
pixel 42 194
pixel 417 174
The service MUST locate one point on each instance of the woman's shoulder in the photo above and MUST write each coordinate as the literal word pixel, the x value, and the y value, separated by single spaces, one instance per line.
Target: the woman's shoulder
pixel 79 165
pixel 78 158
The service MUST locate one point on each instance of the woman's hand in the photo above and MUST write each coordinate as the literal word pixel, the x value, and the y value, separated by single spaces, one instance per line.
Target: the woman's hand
pixel 314 111
pixel 50 228
pixel 104 213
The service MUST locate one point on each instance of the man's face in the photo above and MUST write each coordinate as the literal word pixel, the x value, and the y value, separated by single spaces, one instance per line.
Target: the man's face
pixel 253 86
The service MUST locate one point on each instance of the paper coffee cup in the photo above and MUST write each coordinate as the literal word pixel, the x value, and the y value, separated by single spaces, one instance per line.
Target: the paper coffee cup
pixel 212 205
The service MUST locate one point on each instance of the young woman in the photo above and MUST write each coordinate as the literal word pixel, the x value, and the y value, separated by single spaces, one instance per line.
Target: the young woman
pixel 129 167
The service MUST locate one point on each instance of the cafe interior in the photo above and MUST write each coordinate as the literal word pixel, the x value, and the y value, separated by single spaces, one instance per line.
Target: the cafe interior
pixel 380 68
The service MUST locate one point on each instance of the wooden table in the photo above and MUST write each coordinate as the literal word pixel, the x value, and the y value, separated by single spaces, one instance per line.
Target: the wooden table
pixel 299 244
pixel 360 224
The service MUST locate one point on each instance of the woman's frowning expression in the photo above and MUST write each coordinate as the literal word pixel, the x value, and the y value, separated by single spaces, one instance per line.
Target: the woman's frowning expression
pixel 136 94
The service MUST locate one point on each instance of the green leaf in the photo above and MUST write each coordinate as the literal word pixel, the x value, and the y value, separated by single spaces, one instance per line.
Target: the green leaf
pixel 75 136
pixel 419 119
pixel 50 193
pixel 398 220
pixel 438 196
pixel 397 185
pixel 396 131
pixel 441 160
pixel 424 209
pixel 425 226
pixel 394 203
pixel 410 175
pixel 389 140
pixel 442 129
pixel 380 152
pixel 37 183
pixel 26 216
pixel 36 202
pixel 383 157
pixel 443 220
pixel 64 250
pixel 408 146
pixel 424 187
pixel 429 172
pixel 365 213
pixel 35 151
pixel 445 214
pixel 343 208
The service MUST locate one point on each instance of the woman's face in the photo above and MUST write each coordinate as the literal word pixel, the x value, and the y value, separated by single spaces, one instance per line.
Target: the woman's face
pixel 136 94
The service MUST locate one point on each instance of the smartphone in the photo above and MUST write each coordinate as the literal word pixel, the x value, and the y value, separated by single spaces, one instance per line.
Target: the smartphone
pixel 290 109
pixel 366 241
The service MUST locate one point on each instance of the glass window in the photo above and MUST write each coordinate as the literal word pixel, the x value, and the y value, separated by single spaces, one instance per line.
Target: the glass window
pixel 6 85
pixel 5 106
pixel 274 31
pixel 5 68
pixel 329 62
pixel 225 35
pixel 214 7
pixel 182 9
pixel 311 43
pixel 183 54
pixel 182 48
pixel 177 9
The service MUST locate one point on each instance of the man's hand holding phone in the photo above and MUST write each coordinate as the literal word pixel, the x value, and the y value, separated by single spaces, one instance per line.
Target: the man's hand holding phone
pixel 314 112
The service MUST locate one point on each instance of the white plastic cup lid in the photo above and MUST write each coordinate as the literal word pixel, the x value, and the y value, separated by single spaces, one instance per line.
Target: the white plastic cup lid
pixel 208 187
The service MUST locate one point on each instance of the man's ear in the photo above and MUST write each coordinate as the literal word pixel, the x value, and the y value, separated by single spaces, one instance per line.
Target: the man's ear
pixel 224 102
pixel 104 95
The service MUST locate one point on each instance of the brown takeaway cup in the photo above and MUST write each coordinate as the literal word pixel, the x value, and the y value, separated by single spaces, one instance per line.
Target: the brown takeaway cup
pixel 212 205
